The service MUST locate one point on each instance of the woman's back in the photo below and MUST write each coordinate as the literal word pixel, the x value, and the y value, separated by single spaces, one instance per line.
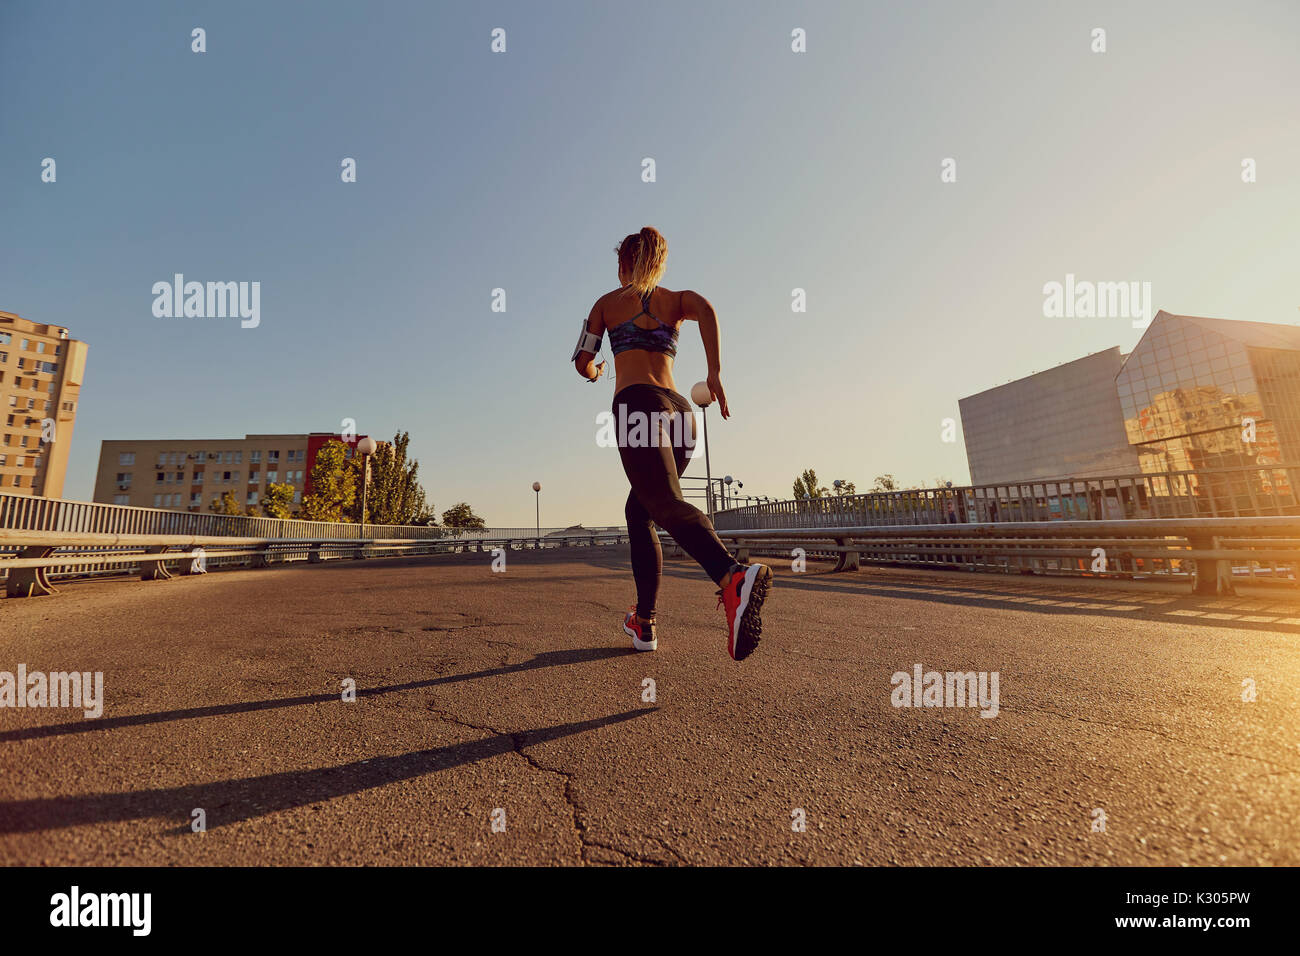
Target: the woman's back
pixel 643 335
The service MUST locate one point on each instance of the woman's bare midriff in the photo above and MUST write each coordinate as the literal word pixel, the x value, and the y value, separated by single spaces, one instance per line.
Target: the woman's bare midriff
pixel 638 367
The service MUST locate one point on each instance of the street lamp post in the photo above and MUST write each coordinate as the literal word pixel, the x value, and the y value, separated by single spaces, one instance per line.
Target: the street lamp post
pixel 726 489
pixel 365 448
pixel 537 493
pixel 704 398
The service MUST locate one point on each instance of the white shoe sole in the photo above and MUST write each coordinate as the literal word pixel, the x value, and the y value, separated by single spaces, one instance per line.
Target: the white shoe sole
pixel 637 643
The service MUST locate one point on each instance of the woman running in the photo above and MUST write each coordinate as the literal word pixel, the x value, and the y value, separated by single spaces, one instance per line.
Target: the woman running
pixel 643 320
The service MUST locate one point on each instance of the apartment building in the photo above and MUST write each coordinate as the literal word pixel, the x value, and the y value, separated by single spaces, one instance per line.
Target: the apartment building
pixel 41 371
pixel 186 475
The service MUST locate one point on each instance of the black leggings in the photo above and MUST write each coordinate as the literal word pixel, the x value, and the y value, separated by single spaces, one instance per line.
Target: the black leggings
pixel 654 457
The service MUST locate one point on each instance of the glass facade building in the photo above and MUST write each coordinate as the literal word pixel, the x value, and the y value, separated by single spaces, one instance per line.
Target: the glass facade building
pixel 1199 394
pixel 1208 413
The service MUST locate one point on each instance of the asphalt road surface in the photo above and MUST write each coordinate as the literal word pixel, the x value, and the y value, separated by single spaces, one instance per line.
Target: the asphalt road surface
pixel 514 698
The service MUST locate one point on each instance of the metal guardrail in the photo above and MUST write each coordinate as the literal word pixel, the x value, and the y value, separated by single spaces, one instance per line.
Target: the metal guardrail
pixel 46 538
pixel 27 513
pixel 43 554
pixel 1207 548
pixel 1271 489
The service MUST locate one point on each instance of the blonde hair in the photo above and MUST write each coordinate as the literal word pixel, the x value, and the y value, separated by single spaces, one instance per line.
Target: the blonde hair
pixel 642 256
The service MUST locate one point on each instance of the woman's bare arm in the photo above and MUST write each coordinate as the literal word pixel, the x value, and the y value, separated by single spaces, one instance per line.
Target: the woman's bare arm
pixel 695 306
pixel 585 363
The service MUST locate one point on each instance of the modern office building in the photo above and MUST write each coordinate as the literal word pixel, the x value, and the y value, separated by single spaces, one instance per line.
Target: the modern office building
pixel 1195 395
pixel 41 371
pixel 1060 423
pixel 1199 394
pixel 187 475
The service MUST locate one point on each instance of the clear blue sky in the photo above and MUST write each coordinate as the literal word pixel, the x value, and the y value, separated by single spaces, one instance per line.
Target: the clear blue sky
pixel 775 170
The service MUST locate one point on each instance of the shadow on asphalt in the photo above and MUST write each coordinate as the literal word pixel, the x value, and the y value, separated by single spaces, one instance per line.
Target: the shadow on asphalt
pixel 1187 610
pixel 545 659
pixel 235 801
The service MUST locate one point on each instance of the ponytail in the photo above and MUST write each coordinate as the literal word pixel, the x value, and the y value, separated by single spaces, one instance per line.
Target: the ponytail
pixel 642 256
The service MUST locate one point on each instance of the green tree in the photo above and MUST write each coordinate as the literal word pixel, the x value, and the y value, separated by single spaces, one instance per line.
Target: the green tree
pixel 334 485
pixel 805 486
pixel 885 483
pixel 278 501
pixel 423 512
pixel 395 495
pixel 846 488
pixel 461 517
pixel 227 504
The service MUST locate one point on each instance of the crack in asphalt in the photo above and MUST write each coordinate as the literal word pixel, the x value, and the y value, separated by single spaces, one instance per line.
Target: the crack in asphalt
pixel 586 842
pixel 443 629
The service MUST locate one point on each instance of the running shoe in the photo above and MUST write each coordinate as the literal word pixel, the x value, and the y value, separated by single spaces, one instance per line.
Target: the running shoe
pixel 743 598
pixel 642 634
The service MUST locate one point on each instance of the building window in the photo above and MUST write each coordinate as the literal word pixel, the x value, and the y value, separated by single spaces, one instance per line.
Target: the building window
pixel 252 477
pixel 239 458
pixel 157 501
pixel 297 497
pixel 124 478
pixel 252 497
pixel 273 456
pixel 121 499
pixel 272 476
pixel 126 458
pixel 198 478
pixel 255 457
pixel 196 499
pixel 158 480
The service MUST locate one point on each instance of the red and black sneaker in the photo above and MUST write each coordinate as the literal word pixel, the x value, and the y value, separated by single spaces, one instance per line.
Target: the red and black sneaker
pixel 743 598
pixel 641 632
